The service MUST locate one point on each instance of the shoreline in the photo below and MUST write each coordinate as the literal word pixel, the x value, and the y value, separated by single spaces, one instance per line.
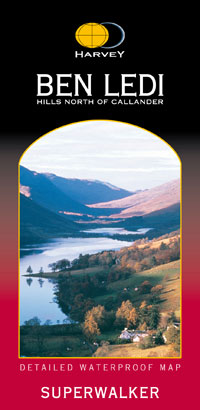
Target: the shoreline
pixel 55 275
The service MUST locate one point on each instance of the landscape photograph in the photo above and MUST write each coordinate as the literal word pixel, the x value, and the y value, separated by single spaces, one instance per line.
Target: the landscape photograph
pixel 100 244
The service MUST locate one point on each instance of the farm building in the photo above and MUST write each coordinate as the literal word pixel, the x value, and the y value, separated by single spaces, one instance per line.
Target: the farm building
pixel 134 335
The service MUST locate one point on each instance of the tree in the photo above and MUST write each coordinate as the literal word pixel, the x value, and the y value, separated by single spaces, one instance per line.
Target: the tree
pixel 145 287
pixel 153 317
pixel 62 264
pixel 153 261
pixel 137 266
pixel 81 262
pixel 159 338
pixel 155 290
pixel 107 321
pixel 90 326
pixel 126 314
pixel 75 262
pixel 124 309
pixel 146 342
pixel 52 266
pixel 132 318
pixel 143 326
pixel 41 271
pixel 120 322
pixel 143 304
pixel 35 321
pixel 172 335
pixel 171 318
pixel 143 314
pixel 80 306
pixel 97 313
pixel 163 246
pixel 48 322
pixel 106 258
pixel 93 320
pixel 109 303
pixel 29 269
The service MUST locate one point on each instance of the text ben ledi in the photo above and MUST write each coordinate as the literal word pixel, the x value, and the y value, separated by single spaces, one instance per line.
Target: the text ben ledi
pixel 74 85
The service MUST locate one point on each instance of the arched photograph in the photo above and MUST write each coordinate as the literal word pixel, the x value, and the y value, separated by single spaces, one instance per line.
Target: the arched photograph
pixel 100 243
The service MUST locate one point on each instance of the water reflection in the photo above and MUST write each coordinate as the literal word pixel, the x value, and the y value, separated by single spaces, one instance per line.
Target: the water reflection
pixel 41 281
pixel 37 295
pixel 29 281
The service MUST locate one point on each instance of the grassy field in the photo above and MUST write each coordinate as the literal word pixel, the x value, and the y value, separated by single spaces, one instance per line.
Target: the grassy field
pixel 74 346
pixel 129 350
pixel 167 275
pixel 44 342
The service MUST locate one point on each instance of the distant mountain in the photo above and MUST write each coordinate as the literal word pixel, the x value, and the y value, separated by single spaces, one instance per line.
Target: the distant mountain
pixel 162 221
pixel 88 191
pixel 67 196
pixel 40 189
pixel 38 224
pixel 49 205
pixel 145 202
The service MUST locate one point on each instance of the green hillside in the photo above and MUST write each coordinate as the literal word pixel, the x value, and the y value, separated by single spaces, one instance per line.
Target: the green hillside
pixel 38 224
pixel 167 275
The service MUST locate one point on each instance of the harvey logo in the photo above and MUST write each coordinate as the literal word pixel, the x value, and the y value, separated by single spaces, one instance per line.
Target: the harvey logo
pixel 106 36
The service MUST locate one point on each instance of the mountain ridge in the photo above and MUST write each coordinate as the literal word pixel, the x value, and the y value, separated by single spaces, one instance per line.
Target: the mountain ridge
pixel 46 194
pixel 87 191
pixel 144 202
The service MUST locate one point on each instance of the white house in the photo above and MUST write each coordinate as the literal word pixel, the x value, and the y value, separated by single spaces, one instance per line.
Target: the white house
pixel 134 335
pixel 139 336
pixel 126 334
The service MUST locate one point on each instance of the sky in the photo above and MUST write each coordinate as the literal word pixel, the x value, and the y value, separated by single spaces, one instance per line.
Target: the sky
pixel 121 154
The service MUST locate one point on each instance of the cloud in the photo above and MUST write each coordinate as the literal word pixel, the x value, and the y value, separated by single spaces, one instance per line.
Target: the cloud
pixel 119 151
